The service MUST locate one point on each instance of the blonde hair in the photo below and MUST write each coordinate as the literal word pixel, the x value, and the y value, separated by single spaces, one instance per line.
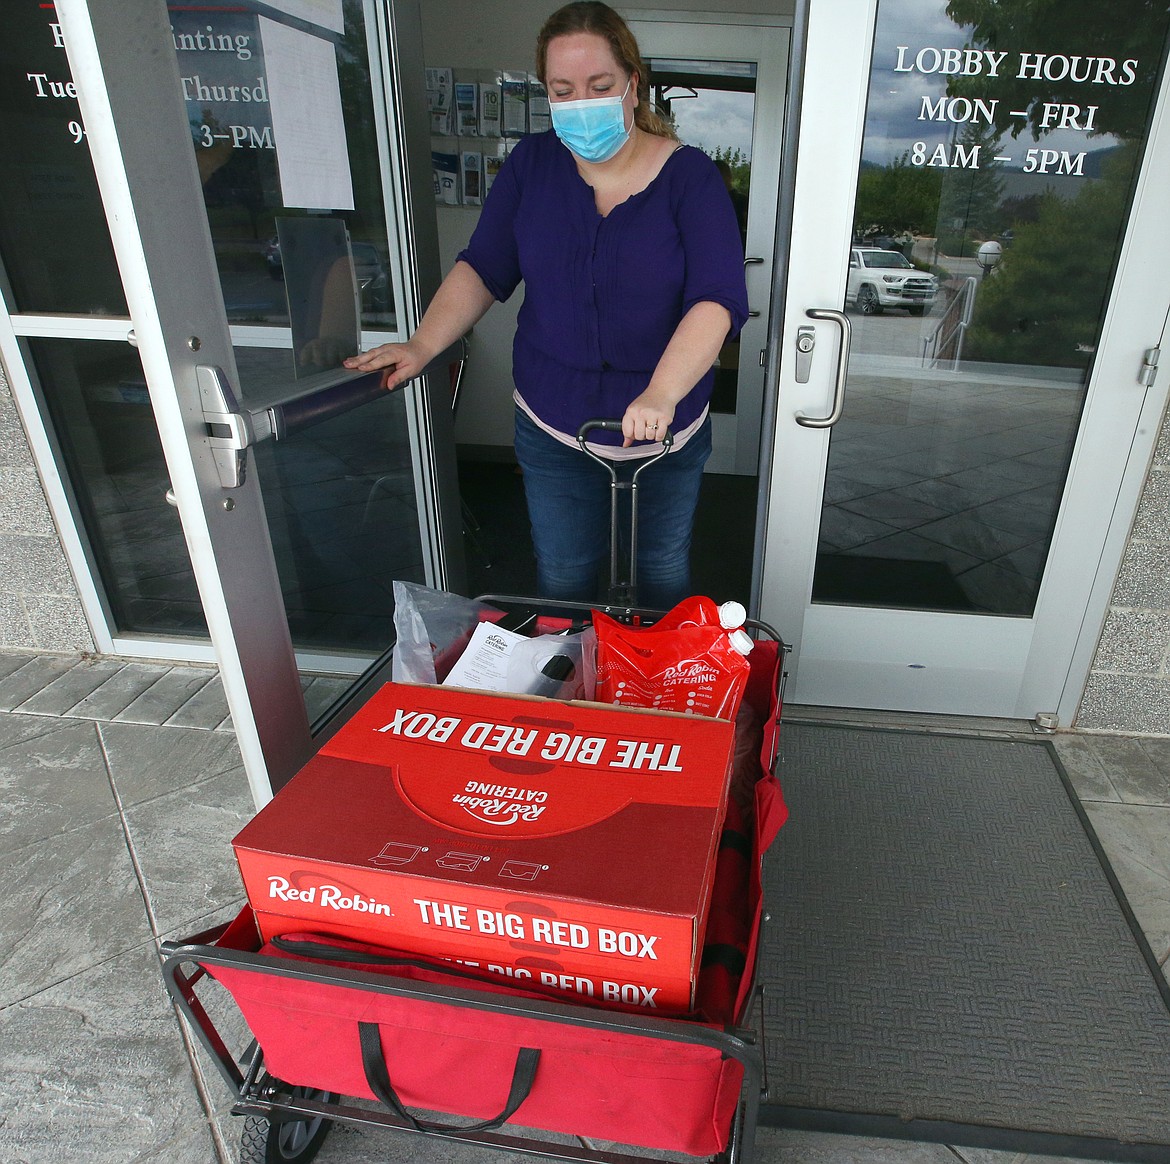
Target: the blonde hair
pixel 601 20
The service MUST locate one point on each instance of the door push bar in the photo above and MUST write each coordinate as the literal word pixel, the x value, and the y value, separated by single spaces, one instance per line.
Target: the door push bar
pixel 229 431
pixel 232 429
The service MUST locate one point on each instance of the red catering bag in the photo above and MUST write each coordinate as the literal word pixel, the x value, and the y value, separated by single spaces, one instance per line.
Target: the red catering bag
pixel 419 1051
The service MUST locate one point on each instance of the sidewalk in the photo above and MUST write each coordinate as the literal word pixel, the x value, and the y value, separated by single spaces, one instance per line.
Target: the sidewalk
pixel 122 787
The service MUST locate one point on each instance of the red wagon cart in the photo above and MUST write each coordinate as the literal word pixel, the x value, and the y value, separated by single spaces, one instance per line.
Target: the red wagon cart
pixel 339 1030
pixel 334 1024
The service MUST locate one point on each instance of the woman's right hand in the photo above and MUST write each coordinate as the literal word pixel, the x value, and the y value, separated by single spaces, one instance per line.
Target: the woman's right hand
pixel 401 362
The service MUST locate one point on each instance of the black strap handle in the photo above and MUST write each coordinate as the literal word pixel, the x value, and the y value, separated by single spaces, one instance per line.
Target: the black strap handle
pixel 378 1078
pixel 327 952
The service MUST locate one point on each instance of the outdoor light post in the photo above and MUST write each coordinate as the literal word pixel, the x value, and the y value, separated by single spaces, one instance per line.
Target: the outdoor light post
pixel 988 256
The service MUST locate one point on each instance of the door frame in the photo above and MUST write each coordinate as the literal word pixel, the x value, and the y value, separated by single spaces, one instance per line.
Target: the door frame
pixel 1028 667
pixel 739 441
pixel 139 145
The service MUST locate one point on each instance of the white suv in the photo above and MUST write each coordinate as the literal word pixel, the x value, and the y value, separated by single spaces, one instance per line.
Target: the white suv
pixel 879 279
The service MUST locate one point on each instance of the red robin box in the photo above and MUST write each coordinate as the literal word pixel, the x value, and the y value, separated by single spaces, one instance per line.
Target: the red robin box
pixel 572 844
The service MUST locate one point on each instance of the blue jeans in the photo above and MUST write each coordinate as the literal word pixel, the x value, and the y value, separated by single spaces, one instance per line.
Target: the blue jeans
pixel 569 508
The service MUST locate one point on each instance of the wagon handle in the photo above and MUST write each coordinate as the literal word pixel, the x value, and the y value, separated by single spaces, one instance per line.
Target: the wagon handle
pixel 377 1076
pixel 667 440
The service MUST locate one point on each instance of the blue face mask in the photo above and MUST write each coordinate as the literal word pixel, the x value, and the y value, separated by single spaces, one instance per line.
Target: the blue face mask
pixel 594 128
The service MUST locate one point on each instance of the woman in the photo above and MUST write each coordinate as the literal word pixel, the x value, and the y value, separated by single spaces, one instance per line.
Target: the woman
pixel 628 247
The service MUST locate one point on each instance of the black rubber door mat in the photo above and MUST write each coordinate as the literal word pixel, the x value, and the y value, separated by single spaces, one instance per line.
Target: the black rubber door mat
pixel 949 959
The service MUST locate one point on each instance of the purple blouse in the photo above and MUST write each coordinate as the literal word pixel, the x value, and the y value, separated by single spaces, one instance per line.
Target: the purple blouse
pixel 603 296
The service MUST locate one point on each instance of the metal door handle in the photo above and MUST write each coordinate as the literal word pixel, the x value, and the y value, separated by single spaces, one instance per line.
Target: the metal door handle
pixel 751 262
pixel 233 428
pixel 839 318
pixel 296 414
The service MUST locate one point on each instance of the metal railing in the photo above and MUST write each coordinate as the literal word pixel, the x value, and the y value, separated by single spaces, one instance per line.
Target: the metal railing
pixel 945 343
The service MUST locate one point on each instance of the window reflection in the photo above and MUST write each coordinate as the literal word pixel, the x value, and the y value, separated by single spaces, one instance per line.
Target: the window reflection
pixel 225 85
pixel 96 396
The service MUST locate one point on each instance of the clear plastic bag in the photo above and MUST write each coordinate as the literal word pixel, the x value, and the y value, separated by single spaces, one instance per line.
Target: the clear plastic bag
pixel 552 665
pixel 431 630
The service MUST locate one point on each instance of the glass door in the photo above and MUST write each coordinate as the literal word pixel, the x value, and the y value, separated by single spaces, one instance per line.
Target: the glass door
pixel 723 87
pixel 960 405
pixel 258 175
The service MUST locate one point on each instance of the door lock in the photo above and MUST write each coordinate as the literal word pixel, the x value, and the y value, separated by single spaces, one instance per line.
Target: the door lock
pixel 806 340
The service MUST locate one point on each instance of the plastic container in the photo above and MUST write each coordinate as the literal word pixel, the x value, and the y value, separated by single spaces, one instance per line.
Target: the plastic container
pixel 688 661
pixel 741 641
pixel 732 616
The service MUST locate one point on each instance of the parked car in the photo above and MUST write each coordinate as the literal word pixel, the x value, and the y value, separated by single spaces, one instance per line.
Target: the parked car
pixel 373 278
pixel 879 279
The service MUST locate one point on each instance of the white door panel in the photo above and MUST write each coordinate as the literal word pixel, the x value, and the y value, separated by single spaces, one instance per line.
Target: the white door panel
pixel 695 44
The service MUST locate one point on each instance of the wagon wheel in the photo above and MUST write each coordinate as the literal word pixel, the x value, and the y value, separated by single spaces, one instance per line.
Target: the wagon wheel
pixel 290 1141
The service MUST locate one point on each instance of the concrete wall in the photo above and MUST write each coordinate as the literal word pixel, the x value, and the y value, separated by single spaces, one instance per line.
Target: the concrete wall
pixel 1129 684
pixel 39 605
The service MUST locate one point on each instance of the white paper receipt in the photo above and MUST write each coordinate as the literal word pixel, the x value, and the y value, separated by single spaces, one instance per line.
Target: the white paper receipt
pixel 484 662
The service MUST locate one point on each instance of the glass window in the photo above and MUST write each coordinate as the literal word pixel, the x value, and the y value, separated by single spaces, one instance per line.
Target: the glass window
pixel 54 242
pixel 95 392
pixel 1001 143
pixel 57 254
pixel 340 501
pixel 227 88
pixel 712 105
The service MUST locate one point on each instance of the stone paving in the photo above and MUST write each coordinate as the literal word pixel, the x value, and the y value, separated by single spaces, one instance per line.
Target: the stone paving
pixel 122 786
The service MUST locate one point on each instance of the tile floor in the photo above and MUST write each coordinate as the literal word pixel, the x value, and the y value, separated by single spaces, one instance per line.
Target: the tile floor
pixel 122 786
pixel 962 471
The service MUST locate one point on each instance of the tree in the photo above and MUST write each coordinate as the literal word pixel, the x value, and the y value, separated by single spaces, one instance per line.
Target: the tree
pixel 1133 30
pixel 896 199
pixel 739 164
pixel 1043 304
pixel 968 209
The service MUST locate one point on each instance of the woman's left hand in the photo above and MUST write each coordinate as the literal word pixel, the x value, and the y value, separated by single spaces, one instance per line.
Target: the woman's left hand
pixel 692 350
pixel 647 419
